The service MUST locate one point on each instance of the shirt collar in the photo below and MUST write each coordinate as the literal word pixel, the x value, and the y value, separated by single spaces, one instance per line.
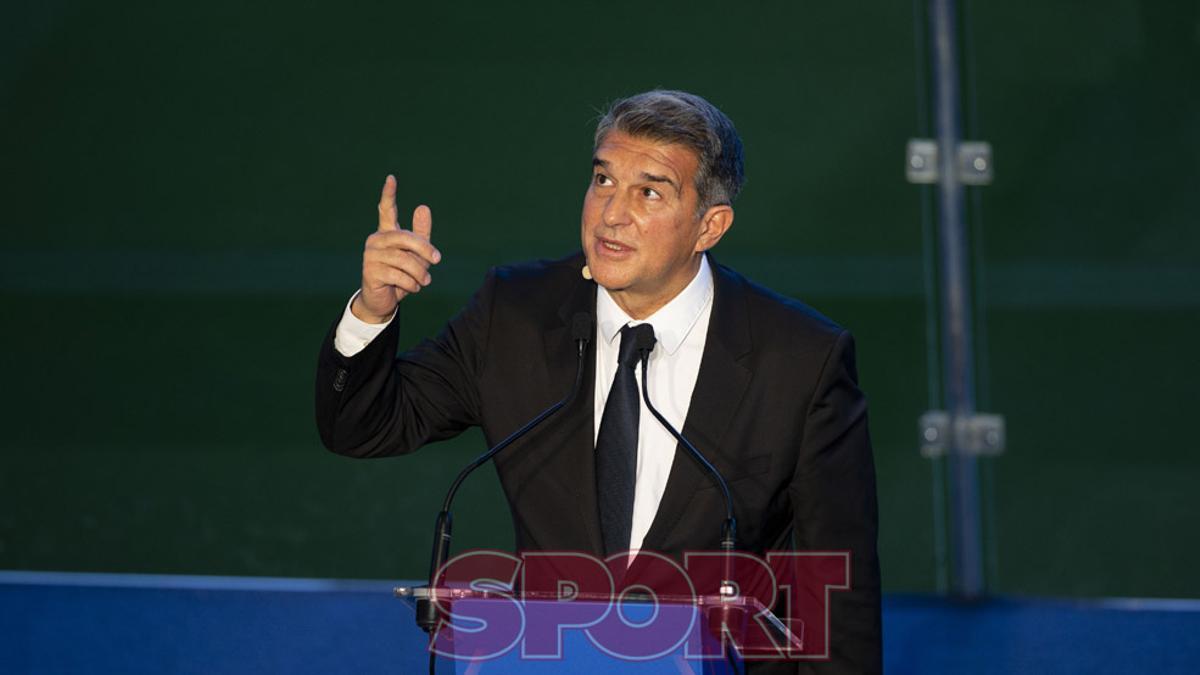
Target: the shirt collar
pixel 672 322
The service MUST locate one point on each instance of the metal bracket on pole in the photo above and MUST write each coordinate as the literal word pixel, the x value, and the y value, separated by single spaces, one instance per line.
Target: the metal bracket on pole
pixel 974 162
pixel 977 434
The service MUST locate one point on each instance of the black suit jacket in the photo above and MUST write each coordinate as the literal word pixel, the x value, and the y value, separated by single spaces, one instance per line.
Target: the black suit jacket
pixel 776 408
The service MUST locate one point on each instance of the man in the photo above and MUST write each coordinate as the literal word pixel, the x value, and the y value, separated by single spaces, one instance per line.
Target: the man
pixel 764 386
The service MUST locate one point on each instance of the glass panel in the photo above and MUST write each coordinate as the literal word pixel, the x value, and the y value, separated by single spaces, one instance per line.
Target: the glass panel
pixel 1087 258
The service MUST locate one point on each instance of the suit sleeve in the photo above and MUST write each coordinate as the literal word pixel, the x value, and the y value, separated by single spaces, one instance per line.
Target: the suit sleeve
pixel 375 404
pixel 835 509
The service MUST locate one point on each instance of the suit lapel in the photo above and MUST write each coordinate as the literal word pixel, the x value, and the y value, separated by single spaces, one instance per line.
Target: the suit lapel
pixel 578 432
pixel 722 380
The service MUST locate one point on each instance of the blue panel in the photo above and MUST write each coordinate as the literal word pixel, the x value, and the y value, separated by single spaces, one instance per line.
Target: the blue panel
pixel 933 635
pixel 80 629
pixel 135 624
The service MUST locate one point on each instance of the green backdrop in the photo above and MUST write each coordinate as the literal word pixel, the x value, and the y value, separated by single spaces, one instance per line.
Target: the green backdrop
pixel 186 189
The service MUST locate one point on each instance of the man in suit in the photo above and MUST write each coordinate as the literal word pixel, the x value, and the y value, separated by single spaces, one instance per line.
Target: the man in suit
pixel 764 386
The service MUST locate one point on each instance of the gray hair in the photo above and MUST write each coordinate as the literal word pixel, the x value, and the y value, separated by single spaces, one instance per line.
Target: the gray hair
pixel 683 118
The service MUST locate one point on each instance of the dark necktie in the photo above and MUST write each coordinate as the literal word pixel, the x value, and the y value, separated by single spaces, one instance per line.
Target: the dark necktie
pixel 616 450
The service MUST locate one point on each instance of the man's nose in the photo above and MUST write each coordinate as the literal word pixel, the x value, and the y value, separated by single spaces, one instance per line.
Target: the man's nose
pixel 616 210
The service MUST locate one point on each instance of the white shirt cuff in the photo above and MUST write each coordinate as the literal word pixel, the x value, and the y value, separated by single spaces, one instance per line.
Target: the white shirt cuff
pixel 353 334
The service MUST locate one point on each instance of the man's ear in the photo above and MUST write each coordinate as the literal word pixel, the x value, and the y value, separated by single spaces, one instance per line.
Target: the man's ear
pixel 715 222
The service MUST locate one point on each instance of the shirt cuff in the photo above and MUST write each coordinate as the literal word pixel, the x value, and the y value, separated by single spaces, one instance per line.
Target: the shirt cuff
pixel 353 334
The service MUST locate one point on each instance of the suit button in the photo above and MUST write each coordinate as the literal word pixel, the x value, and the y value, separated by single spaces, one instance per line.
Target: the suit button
pixel 339 382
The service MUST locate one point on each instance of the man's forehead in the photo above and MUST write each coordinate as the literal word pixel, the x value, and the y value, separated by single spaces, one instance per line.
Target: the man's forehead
pixel 648 155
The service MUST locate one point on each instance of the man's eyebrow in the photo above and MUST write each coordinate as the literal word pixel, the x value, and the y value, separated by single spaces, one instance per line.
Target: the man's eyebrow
pixel 661 179
pixel 596 161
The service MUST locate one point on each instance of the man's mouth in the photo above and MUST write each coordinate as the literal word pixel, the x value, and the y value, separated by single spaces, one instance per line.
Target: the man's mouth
pixel 614 246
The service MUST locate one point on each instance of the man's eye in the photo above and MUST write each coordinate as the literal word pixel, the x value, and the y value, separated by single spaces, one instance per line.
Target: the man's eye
pixel 601 179
pixel 651 193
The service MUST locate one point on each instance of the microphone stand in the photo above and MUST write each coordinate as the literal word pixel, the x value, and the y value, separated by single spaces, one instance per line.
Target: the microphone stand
pixel 646 342
pixel 728 589
pixel 427 614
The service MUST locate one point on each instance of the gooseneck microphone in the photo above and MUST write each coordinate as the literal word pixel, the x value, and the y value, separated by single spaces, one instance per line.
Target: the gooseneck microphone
pixel 645 341
pixel 427 614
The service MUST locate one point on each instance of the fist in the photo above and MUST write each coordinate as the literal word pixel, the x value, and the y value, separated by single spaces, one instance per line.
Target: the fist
pixel 395 261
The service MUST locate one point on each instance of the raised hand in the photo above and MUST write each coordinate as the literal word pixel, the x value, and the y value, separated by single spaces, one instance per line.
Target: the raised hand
pixel 395 261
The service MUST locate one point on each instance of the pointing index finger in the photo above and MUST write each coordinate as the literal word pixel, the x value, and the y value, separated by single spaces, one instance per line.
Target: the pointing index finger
pixel 387 205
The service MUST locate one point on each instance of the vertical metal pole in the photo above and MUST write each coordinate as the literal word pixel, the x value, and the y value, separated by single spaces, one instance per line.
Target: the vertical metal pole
pixel 958 360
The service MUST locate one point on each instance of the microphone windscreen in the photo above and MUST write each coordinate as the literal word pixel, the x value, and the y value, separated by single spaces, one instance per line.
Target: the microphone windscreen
pixel 581 327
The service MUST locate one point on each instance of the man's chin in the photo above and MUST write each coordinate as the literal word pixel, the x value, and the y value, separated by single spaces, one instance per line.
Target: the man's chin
pixel 607 277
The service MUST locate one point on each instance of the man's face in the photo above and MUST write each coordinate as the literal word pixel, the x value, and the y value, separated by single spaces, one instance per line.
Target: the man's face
pixel 640 231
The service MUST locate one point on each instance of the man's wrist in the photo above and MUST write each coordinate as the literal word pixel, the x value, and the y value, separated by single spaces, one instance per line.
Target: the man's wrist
pixel 353 332
pixel 360 312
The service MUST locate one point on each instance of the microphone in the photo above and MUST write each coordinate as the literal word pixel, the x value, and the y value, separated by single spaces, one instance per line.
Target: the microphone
pixel 644 342
pixel 427 616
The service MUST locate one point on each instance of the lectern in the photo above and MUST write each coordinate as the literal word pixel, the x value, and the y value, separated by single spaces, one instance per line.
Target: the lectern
pixel 495 632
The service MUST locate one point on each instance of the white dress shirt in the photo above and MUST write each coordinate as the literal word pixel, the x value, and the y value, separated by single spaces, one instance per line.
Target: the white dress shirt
pixel 681 327
pixel 353 334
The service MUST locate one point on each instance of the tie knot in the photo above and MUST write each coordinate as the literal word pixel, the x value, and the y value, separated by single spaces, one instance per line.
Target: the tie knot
pixel 627 355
